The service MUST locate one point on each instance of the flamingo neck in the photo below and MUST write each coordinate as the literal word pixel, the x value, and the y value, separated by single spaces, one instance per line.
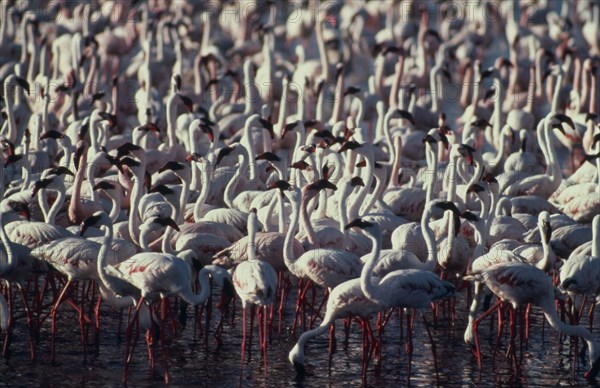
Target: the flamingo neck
pixel 248 143
pixel 453 165
pixel 10 259
pixel 102 258
pixel 166 245
pixel 596 237
pixel 368 283
pixel 134 219
pixel 281 213
pixel 322 51
pixel 76 192
pixel 60 199
pixel 283 111
pixel 183 198
pixel 204 174
pixel 501 150
pixel 343 211
pixel 305 221
pixel 171 119
pixel 399 71
pixel 10 106
pixel 199 299
pixel 432 256
pixel 288 244
pixel 434 89
pixel 353 211
pixel 229 193
pixel 570 330
pixel 397 162
pixel 481 237
pixel 432 163
pixel 91 176
pixel 555 172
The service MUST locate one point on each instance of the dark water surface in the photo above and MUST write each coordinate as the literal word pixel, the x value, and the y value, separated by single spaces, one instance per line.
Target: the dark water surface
pixel 547 358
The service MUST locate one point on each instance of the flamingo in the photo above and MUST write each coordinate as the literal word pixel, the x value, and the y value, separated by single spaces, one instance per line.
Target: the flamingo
pixel 580 274
pixel 148 274
pixel 519 284
pixel 255 282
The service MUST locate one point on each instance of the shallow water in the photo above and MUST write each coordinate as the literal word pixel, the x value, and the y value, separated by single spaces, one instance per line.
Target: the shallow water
pixel 546 360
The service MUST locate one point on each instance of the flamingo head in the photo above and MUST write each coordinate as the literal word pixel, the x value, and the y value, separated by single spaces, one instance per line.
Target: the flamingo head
pixel 52 134
pixel 349 145
pixel 162 189
pixel 594 361
pixel 166 221
pixel 319 185
pixel 129 147
pixel 357 181
pixel 545 226
pixel 90 221
pixel 104 185
pixel 21 208
pixel 289 128
pixel 296 357
pixel 301 165
pixel 281 185
pixel 42 183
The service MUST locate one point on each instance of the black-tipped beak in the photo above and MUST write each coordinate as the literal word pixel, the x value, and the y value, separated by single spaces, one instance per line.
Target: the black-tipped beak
pixel 90 221
pixel 323 184
pixel 223 153
pixel 300 371
pixel 565 119
pixel 281 185
pixel 110 117
pixel 448 205
pixel 467 215
pixel 104 185
pixel 301 165
pixel 349 145
pixel 24 84
pixel 355 223
pixel 268 156
pixel 62 170
pixel 289 127
pixel 357 181
pixel 548 230
pixel 429 139
pixel 475 188
pixel 406 115
pixel 209 132
pixel 351 90
pixel 51 135
pixel 173 166
pixel 167 221
pixel 594 370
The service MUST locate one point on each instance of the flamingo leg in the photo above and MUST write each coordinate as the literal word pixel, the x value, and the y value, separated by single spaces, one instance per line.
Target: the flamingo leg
pixel 82 324
pixel 252 313
pixel 128 331
pixel 163 309
pixel 433 350
pixel 243 335
pixel 60 299
pixel 30 323
pixel 475 325
pixel 7 337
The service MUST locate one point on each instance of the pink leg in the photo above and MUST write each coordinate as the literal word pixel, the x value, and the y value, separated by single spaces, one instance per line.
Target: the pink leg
pixel 163 309
pixel 243 335
pixel 60 299
pixel 476 324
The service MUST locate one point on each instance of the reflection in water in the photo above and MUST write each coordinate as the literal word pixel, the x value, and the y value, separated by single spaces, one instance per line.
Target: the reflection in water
pixel 546 359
